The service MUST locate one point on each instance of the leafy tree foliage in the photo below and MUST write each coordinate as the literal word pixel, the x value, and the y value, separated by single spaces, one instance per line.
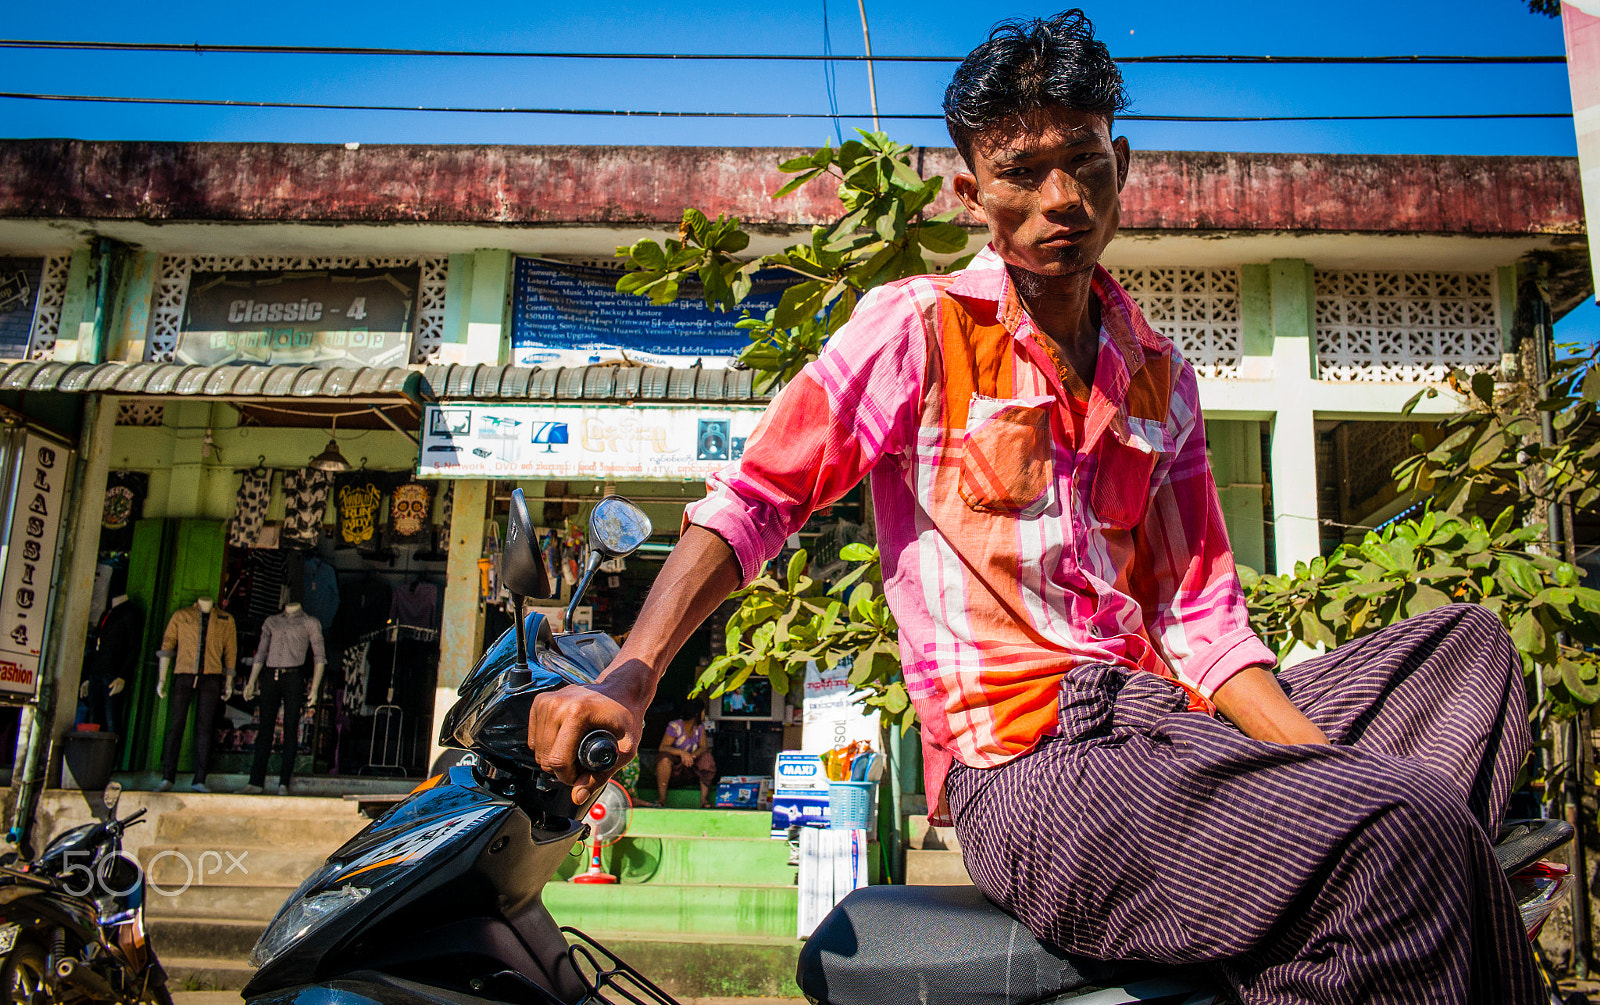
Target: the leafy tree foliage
pixel 880 236
pixel 782 625
pixel 1491 460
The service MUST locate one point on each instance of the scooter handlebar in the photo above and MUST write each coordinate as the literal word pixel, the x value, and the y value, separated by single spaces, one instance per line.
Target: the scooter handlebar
pixel 598 752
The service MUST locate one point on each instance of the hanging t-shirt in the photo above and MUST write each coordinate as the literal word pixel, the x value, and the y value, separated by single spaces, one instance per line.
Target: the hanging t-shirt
pixel 305 498
pixel 125 492
pixel 411 512
pixel 359 498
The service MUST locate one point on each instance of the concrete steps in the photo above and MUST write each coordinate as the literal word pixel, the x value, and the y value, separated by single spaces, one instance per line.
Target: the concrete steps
pixel 933 855
pixel 219 866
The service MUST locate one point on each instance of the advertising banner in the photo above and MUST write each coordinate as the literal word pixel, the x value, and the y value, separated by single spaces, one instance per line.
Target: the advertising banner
pixel 572 315
pixel 19 298
pixel 632 442
pixel 40 471
pixel 344 317
pixel 1580 21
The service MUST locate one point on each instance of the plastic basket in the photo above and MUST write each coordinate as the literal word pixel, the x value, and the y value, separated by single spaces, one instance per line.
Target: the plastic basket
pixel 850 805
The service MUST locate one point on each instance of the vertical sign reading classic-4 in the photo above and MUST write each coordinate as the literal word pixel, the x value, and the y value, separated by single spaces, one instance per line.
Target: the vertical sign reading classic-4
pixel 40 479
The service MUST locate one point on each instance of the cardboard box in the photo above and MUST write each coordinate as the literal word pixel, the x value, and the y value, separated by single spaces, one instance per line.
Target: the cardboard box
pixel 800 792
pixel 744 792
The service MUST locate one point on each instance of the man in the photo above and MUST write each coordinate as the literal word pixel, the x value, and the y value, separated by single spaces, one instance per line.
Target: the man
pixel 1126 774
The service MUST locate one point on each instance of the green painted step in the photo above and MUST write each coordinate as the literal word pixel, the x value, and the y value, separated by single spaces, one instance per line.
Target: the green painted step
pixel 693 861
pixel 651 909
pixel 701 823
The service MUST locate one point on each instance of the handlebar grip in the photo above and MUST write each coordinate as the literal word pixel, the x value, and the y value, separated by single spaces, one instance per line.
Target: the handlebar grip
pixel 598 752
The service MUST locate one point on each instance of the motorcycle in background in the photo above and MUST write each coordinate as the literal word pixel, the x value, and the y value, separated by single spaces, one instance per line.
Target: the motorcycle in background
pixel 72 921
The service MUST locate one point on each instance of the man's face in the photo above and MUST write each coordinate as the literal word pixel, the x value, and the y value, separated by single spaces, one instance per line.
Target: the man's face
pixel 1048 189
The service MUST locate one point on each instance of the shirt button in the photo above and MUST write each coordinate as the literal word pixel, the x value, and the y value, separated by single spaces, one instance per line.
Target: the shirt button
pixel 1094 630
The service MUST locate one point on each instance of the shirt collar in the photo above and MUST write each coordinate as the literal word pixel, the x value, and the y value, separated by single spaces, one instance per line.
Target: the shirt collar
pixel 1123 331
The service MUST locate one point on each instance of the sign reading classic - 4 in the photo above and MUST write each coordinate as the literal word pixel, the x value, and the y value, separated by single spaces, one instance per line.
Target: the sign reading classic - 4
pixel 342 317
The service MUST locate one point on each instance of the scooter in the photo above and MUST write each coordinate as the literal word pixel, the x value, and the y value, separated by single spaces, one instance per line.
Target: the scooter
pixel 438 901
pixel 72 921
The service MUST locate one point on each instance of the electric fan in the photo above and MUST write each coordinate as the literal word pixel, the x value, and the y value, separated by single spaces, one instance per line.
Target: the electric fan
pixel 608 821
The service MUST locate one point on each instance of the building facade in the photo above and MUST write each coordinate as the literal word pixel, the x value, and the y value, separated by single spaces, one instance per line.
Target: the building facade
pixel 1315 295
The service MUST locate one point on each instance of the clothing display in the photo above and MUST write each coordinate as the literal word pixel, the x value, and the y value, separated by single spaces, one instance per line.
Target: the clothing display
pixel 199 642
pixel 285 690
pixel 268 583
pixel 416 606
pixel 250 508
pixel 286 638
pixel 355 670
pixel 113 650
pixel 204 691
pixel 305 500
pixel 320 594
pixel 124 504
pixel 411 512
pixel 359 498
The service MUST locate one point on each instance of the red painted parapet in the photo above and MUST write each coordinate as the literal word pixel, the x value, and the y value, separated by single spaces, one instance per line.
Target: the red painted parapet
pixel 1173 191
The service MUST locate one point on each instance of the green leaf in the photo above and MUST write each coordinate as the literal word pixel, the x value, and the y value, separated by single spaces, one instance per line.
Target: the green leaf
pixel 942 238
pixel 1424 599
pixel 1314 632
pixel 1528 633
pixel 857 552
pixel 1579 685
pixel 797 567
pixel 1483 388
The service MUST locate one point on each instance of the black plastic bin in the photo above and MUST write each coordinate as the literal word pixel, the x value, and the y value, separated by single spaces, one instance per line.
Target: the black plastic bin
pixel 87 761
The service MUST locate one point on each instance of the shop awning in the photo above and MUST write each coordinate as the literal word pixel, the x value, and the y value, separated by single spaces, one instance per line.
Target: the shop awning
pixel 458 382
pixel 382 385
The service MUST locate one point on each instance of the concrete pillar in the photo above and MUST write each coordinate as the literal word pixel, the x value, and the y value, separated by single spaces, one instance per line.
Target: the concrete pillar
pixel 1294 443
pixel 75 582
pixel 461 641
pixel 139 276
pixel 476 328
pixel 77 307
pixel 1255 322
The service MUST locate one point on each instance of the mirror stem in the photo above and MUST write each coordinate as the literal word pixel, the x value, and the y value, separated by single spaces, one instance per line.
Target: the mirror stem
pixel 590 567
pixel 522 631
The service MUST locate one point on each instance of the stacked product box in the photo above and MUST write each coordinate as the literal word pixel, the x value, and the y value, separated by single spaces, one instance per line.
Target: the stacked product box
pixel 799 793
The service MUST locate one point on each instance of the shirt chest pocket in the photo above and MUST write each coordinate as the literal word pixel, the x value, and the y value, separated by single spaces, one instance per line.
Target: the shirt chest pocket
pixel 1121 491
pixel 1006 455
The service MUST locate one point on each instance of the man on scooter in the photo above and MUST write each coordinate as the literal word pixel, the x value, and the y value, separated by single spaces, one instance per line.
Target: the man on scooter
pixel 1125 772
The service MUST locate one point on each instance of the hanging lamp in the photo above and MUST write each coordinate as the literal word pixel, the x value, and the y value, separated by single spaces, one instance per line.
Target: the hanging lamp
pixel 330 459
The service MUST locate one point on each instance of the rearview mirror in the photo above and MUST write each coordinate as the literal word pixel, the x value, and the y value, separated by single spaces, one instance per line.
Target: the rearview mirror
pixel 617 527
pixel 522 568
pixel 112 795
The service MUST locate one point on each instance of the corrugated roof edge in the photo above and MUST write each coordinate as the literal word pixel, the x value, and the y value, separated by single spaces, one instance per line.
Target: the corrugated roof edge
pixel 464 382
pixel 223 381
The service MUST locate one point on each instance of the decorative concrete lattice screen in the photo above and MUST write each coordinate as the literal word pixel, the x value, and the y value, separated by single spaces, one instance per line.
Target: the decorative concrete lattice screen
pixel 140 413
pixel 1404 326
pixel 167 318
pixel 47 312
pixel 1196 308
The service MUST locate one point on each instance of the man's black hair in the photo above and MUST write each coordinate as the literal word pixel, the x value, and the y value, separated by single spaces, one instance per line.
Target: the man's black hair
pixel 1030 64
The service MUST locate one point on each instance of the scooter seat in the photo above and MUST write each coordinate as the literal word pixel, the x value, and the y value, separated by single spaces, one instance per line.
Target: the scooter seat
pixel 938 945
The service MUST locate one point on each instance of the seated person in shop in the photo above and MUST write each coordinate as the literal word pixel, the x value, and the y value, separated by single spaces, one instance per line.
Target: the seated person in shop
pixel 1126 774
pixel 684 756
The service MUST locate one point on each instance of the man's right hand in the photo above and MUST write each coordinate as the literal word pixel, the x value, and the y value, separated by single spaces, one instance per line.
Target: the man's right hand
pixel 560 719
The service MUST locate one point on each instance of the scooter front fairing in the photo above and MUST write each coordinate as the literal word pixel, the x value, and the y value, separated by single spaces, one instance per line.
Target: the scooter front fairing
pixel 443 890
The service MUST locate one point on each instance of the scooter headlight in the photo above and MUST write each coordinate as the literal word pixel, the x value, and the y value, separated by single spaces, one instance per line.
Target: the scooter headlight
pixel 301 916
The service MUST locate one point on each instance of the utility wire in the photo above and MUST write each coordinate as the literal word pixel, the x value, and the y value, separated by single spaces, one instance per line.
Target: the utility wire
pixel 636 113
pixel 198 48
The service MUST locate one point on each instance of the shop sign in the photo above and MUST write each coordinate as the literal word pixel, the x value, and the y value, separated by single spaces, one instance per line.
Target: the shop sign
pixel 341 317
pixel 39 473
pixel 19 298
pixel 572 315
pixel 632 442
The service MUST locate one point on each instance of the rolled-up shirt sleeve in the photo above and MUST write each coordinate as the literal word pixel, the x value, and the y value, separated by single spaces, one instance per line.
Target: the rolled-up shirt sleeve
pixel 1195 610
pixel 823 432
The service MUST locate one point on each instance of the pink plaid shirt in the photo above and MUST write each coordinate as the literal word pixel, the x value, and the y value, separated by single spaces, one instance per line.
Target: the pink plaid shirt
pixel 1023 531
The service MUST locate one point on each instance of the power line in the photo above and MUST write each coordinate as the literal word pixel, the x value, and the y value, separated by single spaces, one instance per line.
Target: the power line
pixel 198 48
pixel 665 114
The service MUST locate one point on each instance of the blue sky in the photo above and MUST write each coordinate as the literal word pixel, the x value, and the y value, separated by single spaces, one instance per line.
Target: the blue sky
pixel 1489 27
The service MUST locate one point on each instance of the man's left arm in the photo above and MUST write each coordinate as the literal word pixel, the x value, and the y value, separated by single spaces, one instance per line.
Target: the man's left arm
pixel 1195 610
